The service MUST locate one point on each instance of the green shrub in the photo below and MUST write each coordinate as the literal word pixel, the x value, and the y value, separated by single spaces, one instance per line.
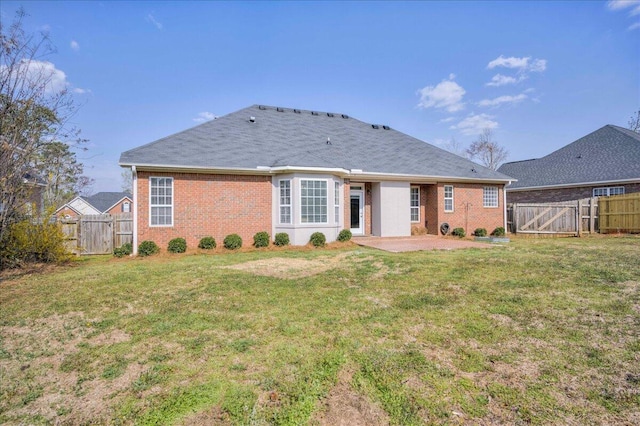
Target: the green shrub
pixel 148 248
pixel 344 235
pixel 177 245
pixel 318 239
pixel 207 243
pixel 498 232
pixel 261 239
pixel 480 232
pixel 458 232
pixel 282 239
pixel 124 250
pixel 27 241
pixel 232 242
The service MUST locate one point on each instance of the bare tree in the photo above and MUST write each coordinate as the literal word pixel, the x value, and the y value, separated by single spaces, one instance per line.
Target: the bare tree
pixel 634 122
pixel 487 150
pixel 456 147
pixel 33 113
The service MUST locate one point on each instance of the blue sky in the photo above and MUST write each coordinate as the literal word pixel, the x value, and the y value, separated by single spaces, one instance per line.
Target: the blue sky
pixel 540 74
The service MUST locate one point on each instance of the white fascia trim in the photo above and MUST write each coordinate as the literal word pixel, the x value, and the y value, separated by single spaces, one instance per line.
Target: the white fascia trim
pixel 197 169
pixel 353 173
pixel 574 185
pixel 67 206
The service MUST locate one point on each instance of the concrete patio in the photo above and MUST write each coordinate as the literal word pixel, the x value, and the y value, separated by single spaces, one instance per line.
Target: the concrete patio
pixel 418 243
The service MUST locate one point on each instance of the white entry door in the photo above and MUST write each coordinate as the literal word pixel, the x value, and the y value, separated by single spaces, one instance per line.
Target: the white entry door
pixel 357 212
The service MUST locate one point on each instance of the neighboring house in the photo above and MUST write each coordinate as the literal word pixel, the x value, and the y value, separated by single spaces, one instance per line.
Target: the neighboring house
pixel 295 171
pixel 605 162
pixel 35 199
pixel 100 203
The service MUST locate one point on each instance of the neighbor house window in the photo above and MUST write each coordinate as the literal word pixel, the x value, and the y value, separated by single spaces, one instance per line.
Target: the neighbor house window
pixel 336 201
pixel 490 196
pixel 285 201
pixel 126 207
pixel 161 194
pixel 313 201
pixel 415 204
pixel 605 192
pixel 448 198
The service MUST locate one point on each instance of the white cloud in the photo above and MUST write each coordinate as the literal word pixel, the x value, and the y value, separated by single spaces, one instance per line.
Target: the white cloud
pixel 204 116
pixel 634 26
pixel 447 120
pixel 40 74
pixel 525 64
pixel 501 80
pixel 154 21
pixel 502 100
pixel 74 45
pixel 634 5
pixel 446 95
pixel 80 91
pixel 475 123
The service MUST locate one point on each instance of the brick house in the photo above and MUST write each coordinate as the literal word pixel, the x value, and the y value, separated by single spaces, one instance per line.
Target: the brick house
pixel 99 203
pixel 296 171
pixel 605 162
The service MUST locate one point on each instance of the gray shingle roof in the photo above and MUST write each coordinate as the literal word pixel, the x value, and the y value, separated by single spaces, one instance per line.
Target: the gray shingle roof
pixel 611 153
pixel 104 200
pixel 298 138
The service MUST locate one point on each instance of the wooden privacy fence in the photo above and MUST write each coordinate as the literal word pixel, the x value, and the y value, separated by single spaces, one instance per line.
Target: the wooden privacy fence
pixel 571 217
pixel 620 213
pixel 97 234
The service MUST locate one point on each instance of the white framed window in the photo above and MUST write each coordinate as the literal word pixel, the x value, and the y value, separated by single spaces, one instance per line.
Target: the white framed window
pixel 448 198
pixel 336 201
pixel 285 201
pixel 605 192
pixel 161 201
pixel 490 196
pixel 126 207
pixel 313 201
pixel 415 204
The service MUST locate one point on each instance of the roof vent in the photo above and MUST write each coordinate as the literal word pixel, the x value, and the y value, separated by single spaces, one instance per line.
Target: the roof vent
pixel 329 114
pixel 375 126
pixel 297 111
pixel 328 141
pixel 345 116
pixel 252 119
pixel 386 127
pixel 314 113
pixel 280 109
pixel 262 107
pixel 474 170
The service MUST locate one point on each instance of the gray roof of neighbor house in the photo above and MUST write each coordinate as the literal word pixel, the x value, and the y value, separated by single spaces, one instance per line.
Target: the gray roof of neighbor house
pixel 105 200
pixel 609 154
pixel 262 136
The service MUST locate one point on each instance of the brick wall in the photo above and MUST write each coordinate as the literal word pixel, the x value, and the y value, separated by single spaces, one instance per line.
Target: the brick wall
pixel 117 209
pixel 66 212
pixel 215 205
pixel 562 194
pixel 468 211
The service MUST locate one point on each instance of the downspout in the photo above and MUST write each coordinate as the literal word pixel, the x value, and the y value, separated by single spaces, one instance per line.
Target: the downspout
pixel 504 205
pixel 134 182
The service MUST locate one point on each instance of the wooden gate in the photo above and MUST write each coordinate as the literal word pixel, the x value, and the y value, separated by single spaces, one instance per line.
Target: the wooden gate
pixel 620 213
pixel 572 217
pixel 97 234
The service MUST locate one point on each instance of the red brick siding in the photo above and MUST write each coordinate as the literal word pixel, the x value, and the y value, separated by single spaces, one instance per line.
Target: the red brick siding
pixel 117 209
pixel 421 227
pixel 469 212
pixel 66 212
pixel 562 194
pixel 215 205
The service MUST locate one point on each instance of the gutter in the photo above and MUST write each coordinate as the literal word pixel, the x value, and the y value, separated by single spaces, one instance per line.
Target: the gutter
pixel 344 173
pixel 574 185
pixel 134 183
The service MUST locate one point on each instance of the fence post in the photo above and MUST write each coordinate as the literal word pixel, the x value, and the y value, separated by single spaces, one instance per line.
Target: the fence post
pixel 592 215
pixel 579 218
pixel 514 218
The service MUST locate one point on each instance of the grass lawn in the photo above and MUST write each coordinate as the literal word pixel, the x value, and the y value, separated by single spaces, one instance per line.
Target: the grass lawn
pixel 540 331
